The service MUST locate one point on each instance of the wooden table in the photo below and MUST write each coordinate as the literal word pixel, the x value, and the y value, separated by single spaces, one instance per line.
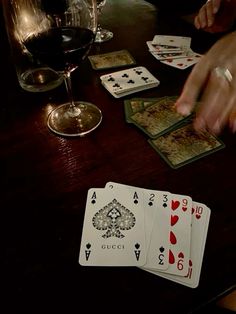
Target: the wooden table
pixel 45 178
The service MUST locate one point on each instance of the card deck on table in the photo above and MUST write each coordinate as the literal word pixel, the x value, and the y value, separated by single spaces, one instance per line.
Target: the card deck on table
pixel 183 145
pixel 199 227
pixel 125 82
pixel 158 117
pixel 112 59
pixel 113 230
pixel 158 231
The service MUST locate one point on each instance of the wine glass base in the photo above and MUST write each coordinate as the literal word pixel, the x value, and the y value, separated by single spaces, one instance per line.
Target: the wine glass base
pixel 78 121
pixel 103 35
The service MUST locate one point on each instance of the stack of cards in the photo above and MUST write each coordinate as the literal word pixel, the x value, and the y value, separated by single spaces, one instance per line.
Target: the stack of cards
pixel 123 83
pixel 170 134
pixel 160 232
pixel 173 50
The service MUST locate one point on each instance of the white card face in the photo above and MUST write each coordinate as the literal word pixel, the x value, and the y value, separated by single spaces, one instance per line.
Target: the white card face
pixel 172 41
pixel 180 234
pixel 158 239
pixel 128 81
pixel 113 231
pixel 173 55
pixel 184 62
pixel 200 222
pixel 162 49
pixel 156 206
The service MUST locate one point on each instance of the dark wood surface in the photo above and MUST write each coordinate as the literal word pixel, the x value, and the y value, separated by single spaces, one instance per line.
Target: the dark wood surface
pixel 45 178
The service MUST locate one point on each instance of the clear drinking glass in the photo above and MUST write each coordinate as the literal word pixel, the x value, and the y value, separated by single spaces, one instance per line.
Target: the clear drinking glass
pixel 102 34
pixel 59 33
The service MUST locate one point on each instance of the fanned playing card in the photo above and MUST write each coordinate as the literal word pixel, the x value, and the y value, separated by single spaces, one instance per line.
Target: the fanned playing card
pixel 125 82
pixel 183 145
pixel 174 51
pixel 156 206
pixel 113 230
pixel 183 62
pixel 112 59
pixel 172 41
pixel 200 222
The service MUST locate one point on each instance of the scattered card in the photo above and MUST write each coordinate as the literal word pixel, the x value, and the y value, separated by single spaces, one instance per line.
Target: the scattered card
pixel 125 82
pixel 157 118
pixel 183 145
pixel 135 105
pixel 112 59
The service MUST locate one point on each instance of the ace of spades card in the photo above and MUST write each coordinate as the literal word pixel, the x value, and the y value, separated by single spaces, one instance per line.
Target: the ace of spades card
pixel 113 230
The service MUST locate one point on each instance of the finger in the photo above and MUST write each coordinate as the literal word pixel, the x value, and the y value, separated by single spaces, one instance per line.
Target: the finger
pixel 197 23
pixel 210 16
pixel 193 87
pixel 202 17
pixel 232 118
pixel 216 5
pixel 214 111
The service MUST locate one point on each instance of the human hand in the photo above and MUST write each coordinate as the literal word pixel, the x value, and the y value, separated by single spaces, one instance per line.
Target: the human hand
pixel 216 16
pixel 214 79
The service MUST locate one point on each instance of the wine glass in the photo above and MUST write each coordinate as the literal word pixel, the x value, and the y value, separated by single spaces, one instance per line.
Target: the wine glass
pixel 59 33
pixel 102 34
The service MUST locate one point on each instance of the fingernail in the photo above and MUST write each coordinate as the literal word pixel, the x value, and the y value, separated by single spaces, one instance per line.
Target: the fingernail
pixel 215 10
pixel 183 109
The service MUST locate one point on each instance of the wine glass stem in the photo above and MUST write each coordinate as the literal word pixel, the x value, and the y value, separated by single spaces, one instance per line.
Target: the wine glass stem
pixel 67 79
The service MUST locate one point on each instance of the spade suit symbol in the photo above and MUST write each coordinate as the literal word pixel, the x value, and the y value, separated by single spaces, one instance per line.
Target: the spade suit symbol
pixel 114 218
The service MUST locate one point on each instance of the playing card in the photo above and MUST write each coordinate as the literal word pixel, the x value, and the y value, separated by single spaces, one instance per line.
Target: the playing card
pixel 183 145
pixel 156 206
pixel 158 118
pixel 172 41
pixel 180 234
pixel 173 55
pixel 134 105
pixel 163 48
pixel 158 216
pixel 125 82
pixel 113 230
pixel 112 59
pixel 200 222
pixel 183 62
